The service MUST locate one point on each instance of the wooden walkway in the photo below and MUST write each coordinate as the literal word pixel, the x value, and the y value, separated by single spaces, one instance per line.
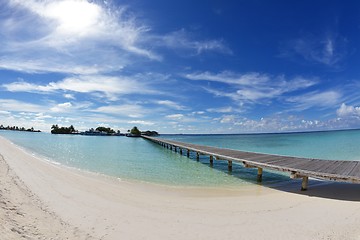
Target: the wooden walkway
pixel 345 171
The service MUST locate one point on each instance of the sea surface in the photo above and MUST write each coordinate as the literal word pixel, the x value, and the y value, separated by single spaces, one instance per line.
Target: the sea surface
pixel 142 160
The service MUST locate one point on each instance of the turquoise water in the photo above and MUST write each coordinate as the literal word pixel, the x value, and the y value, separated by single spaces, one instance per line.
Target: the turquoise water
pixel 139 159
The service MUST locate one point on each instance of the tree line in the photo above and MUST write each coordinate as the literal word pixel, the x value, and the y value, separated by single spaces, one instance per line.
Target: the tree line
pixel 16 128
pixel 134 132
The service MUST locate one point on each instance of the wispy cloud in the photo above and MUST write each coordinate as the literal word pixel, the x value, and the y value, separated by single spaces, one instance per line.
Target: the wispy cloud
pixel 182 118
pixel 328 49
pixel 11 105
pixel 221 110
pixel 109 86
pixel 141 122
pixel 326 99
pixel 70 36
pixel 128 110
pixel 229 77
pixel 84 37
pixel 182 40
pixel 278 123
pixel 171 104
pixel 252 87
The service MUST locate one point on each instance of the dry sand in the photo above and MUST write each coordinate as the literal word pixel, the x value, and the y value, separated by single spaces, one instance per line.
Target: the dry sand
pixel 41 200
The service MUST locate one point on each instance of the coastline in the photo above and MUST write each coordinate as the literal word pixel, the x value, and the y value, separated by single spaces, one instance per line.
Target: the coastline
pixel 67 203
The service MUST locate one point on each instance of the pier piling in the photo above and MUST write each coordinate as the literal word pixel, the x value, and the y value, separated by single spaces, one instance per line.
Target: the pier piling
pixel 304 184
pixel 259 175
pixel 230 165
pixel 297 167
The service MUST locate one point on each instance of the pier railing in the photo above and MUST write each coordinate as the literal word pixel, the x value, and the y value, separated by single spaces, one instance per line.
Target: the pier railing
pixel 339 170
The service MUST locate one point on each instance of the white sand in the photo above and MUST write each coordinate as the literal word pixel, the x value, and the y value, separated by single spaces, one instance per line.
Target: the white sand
pixel 41 200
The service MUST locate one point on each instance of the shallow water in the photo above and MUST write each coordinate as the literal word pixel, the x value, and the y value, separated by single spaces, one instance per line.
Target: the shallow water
pixel 139 159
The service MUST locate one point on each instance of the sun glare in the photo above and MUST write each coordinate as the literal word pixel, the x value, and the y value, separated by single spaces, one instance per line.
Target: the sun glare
pixel 74 17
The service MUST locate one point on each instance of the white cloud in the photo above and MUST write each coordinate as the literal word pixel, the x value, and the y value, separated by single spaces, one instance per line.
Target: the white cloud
pixel 229 77
pixel 110 87
pixel 83 37
pixel 329 49
pixel 228 119
pixel 171 104
pixel 325 99
pixel 5 113
pixel 182 40
pixel 69 96
pixel 275 123
pixel 178 116
pixel 221 110
pixel 129 110
pixel 348 111
pixel 61 107
pixel 184 118
pixel 12 105
pixel 42 116
pixel 252 87
pixel 70 36
pixel 198 113
pixel 141 122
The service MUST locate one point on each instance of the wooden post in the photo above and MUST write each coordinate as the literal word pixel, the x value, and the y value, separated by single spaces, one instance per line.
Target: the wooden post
pixel 197 156
pixel 175 149
pixel 259 175
pixel 304 183
pixel 171 147
pixel 188 153
pixel 229 165
pixel 211 160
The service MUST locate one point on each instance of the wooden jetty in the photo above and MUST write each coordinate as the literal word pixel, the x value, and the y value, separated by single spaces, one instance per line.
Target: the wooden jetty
pixel 344 171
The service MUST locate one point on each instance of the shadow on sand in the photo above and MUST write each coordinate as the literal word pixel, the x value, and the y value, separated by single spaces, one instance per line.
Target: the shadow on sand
pixel 322 189
pixel 274 180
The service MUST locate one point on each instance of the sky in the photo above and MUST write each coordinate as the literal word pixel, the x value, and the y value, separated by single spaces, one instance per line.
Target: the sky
pixel 205 66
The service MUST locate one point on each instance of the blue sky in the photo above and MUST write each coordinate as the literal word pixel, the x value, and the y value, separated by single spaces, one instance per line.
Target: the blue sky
pixel 181 66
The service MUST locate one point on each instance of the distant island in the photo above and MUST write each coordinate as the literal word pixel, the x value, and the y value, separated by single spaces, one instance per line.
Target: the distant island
pixel 102 131
pixel 16 128
pixel 55 129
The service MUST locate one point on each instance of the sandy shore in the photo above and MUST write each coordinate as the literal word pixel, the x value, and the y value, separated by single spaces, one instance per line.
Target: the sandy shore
pixel 41 200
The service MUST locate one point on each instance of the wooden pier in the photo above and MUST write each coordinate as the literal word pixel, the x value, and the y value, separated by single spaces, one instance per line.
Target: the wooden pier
pixel 344 171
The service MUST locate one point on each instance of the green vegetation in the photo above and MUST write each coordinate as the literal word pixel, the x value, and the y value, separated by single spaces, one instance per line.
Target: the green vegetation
pixel 150 133
pixel 135 131
pixel 16 128
pixel 55 129
pixel 105 129
pixel 101 131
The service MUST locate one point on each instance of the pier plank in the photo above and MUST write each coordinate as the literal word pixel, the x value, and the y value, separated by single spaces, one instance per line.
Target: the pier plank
pixel 336 170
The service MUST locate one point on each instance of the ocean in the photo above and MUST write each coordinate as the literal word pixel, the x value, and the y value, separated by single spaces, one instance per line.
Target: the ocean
pixel 141 160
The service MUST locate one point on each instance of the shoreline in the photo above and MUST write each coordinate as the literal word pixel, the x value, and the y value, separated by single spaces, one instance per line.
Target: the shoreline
pixel 68 203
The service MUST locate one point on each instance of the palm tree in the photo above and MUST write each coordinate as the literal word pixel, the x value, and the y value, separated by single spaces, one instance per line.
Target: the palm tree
pixel 135 131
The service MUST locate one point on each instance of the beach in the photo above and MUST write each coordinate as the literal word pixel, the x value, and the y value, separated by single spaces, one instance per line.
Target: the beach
pixel 43 200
